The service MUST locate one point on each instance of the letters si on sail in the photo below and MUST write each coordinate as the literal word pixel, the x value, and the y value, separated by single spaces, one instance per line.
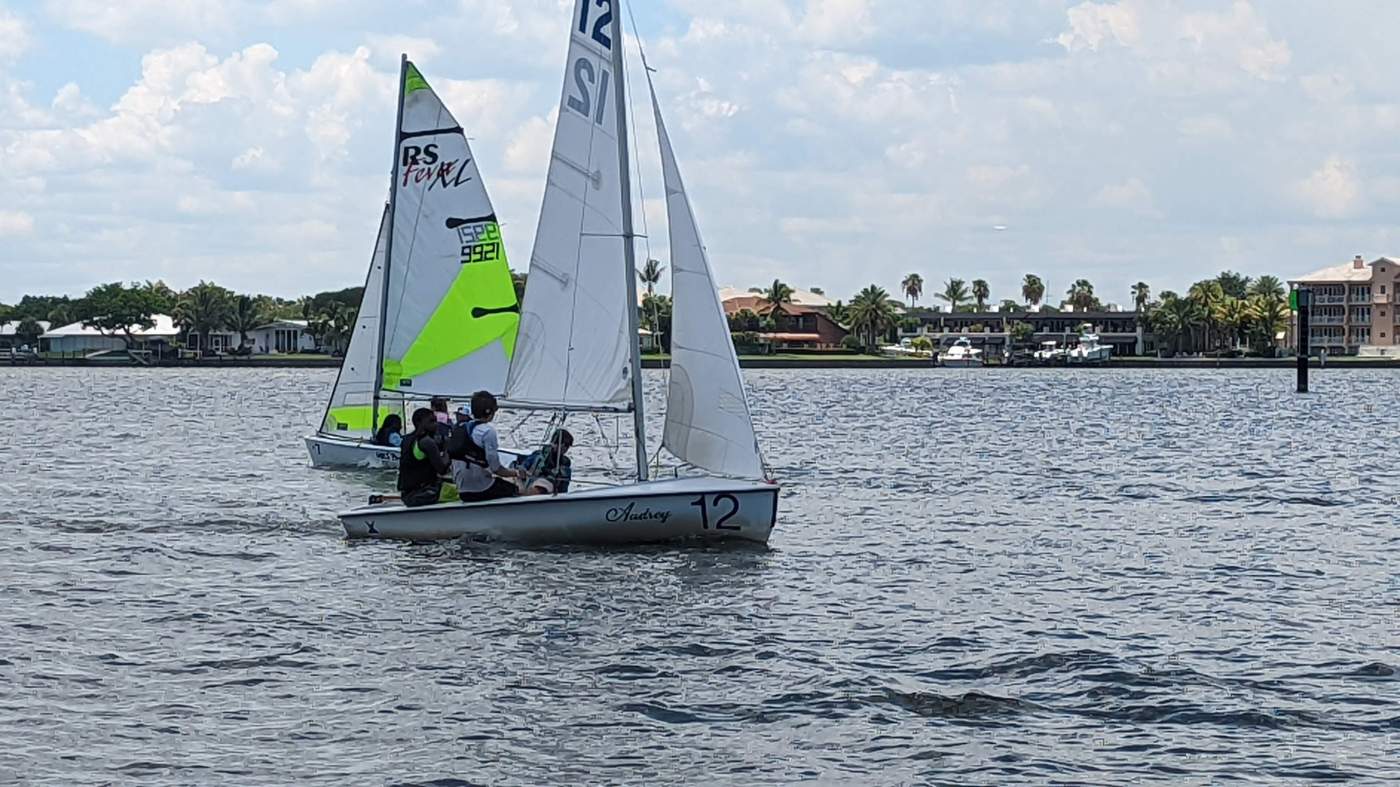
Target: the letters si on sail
pixel 350 411
pixel 707 415
pixel 574 346
pixel 451 316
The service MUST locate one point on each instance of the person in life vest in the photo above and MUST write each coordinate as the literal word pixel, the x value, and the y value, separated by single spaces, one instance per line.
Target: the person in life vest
pixel 422 462
pixel 476 463
pixel 549 469
pixel 439 406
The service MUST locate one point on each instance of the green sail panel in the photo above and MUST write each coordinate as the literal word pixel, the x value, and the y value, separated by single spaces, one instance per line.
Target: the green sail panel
pixel 452 316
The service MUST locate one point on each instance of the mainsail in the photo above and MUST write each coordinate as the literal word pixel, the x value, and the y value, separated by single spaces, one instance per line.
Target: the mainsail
pixel 450 309
pixel 575 345
pixel 350 412
pixel 707 415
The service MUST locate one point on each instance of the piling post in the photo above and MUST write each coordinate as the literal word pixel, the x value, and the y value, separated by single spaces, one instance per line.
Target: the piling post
pixel 1302 302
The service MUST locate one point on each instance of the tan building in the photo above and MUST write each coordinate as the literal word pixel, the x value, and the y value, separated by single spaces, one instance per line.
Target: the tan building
pixel 1354 306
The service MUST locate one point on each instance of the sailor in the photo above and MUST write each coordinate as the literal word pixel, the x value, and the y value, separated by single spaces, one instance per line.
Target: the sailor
pixel 549 469
pixel 476 463
pixel 439 406
pixel 390 431
pixel 422 462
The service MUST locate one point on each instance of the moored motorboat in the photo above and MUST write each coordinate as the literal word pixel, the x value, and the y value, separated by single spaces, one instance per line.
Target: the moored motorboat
pixel 960 354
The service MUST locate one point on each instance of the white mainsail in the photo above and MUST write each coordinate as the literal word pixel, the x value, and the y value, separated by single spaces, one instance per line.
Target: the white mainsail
pixel 350 410
pixel 574 349
pixel 450 309
pixel 707 415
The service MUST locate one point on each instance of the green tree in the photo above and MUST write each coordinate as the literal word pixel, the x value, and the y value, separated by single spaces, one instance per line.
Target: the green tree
pixel 656 317
pixel 1235 318
pixel 913 286
pixel 839 314
pixel 246 313
pixel 955 293
pixel 922 344
pixel 1270 317
pixel 28 331
pixel 39 307
pixel 7 314
pixel 118 310
pixel 204 309
pixel 1269 287
pixel 1176 320
pixel 1008 305
pixel 1233 284
pixel 778 294
pixel 1032 290
pixel 981 293
pixel 1142 295
pixel 872 314
pixel 1021 332
pixel 650 274
pixel 817 291
pixel 1208 295
pixel 1080 295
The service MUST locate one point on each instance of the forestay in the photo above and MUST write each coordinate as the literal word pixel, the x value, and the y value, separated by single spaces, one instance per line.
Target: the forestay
pixel 350 410
pixel 451 312
pixel 574 347
pixel 707 415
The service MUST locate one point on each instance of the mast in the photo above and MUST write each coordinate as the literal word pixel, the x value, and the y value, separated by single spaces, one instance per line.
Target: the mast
pixel 388 252
pixel 639 423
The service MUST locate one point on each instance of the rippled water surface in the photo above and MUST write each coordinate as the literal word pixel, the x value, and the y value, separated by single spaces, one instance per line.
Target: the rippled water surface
pixel 978 576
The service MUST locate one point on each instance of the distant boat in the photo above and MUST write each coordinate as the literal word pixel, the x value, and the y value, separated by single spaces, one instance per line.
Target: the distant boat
pixel 439 314
pixel 578 350
pixel 1049 353
pixel 961 354
pixel 1089 350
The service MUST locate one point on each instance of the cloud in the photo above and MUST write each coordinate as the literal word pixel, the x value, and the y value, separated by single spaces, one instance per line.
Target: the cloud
pixel 14 36
pixel 1332 191
pixel 1092 25
pixel 15 223
pixel 1130 195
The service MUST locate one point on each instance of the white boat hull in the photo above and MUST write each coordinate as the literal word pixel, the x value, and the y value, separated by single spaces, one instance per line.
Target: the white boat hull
pixel 702 509
pixel 341 452
pixel 959 363
pixel 1096 355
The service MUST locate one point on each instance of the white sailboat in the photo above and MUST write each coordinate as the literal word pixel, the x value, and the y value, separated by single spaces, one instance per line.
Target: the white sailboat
pixel 439 316
pixel 578 349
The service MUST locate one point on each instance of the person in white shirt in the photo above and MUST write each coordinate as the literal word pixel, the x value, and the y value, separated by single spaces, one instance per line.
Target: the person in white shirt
pixel 476 461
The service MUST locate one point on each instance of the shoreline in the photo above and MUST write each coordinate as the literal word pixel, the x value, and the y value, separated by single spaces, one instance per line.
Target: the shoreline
pixel 759 362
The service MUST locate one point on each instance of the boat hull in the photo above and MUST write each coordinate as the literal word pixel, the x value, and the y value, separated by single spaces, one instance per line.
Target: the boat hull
pixel 340 452
pixel 700 509
pixel 343 453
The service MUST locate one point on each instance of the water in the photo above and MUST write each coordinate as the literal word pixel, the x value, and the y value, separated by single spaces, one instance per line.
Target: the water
pixel 978 576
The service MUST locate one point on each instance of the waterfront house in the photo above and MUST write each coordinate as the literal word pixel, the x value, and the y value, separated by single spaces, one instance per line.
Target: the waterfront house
pixel 9 337
pixel 78 339
pixel 1354 306
pixel 990 331
pixel 795 326
pixel 282 337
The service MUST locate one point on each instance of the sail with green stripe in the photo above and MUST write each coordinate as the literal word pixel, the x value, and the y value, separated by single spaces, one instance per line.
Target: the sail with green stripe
pixel 451 313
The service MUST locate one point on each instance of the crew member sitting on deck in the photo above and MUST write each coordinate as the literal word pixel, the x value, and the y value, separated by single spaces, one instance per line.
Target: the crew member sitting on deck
pixel 422 462
pixel 390 431
pixel 476 462
pixel 549 469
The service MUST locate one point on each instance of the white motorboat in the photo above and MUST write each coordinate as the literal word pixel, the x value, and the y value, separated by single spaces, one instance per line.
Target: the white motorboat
pixel 578 352
pixel 961 354
pixel 1049 352
pixel 439 315
pixel 1089 350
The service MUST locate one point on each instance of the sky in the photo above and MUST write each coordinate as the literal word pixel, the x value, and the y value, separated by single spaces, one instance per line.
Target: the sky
pixel 829 143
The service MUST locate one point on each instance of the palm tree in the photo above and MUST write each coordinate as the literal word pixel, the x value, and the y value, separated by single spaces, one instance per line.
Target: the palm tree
pixel 1234 317
pixel 245 314
pixel 1008 305
pixel 955 293
pixel 872 314
pixel 1268 286
pixel 203 309
pixel 1081 295
pixel 778 294
pixel 1208 295
pixel 1142 295
pixel 981 293
pixel 1233 284
pixel 913 286
pixel 650 274
pixel 1269 314
pixel 1032 290
pixel 1177 317
pixel 840 313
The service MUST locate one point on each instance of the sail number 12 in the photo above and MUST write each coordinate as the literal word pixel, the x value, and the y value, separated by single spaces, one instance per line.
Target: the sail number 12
pixel 718 502
pixel 600 25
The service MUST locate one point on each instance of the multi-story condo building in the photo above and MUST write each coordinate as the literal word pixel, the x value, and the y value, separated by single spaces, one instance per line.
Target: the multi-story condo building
pixel 1354 304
